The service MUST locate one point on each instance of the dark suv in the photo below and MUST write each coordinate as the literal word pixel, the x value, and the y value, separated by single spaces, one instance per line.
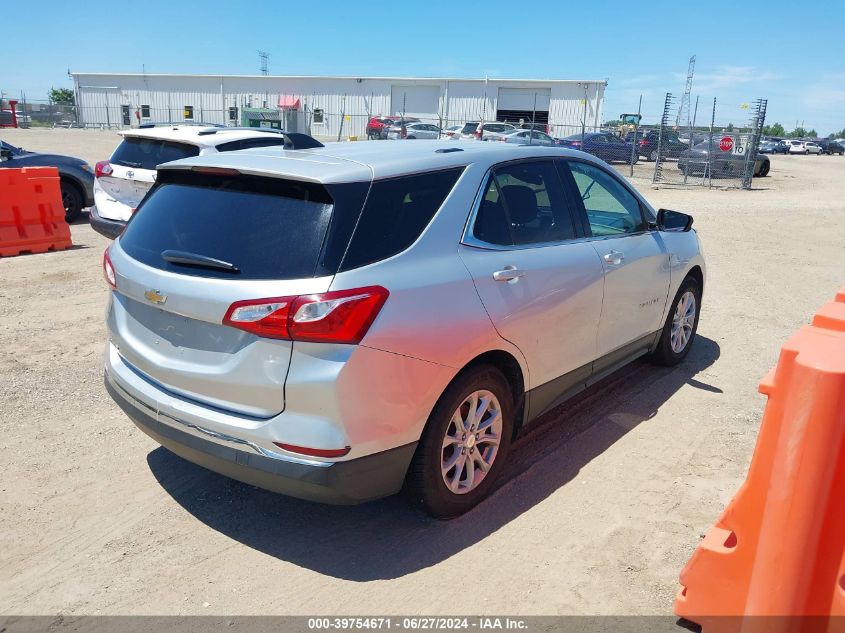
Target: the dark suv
pixel 647 142
pixel 830 147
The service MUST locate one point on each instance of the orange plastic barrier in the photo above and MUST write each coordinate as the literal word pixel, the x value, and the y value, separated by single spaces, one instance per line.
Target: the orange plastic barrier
pixel 840 296
pixel 32 216
pixel 778 547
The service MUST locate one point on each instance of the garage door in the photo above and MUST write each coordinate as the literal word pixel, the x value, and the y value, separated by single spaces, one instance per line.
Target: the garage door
pixel 419 101
pixel 523 99
pixel 519 105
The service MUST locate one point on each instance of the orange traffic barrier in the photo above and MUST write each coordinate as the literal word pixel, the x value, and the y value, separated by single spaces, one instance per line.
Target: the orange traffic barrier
pixel 777 550
pixel 840 296
pixel 32 216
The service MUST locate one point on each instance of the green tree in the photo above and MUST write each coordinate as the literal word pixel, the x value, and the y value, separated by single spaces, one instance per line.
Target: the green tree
pixel 797 133
pixel 730 127
pixel 613 123
pixel 813 134
pixel 775 129
pixel 61 96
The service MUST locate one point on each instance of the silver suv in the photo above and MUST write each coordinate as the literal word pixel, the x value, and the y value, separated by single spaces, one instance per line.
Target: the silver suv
pixel 344 322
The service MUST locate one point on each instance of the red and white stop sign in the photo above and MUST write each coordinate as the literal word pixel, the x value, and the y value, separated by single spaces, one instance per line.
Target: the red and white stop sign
pixel 726 144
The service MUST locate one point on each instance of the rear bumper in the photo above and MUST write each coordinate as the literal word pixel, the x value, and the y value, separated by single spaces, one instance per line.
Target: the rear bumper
pixel 342 483
pixel 104 226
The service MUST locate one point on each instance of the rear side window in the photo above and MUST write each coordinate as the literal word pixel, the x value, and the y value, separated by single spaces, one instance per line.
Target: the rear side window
pixel 147 153
pixel 524 204
pixel 267 228
pixel 396 213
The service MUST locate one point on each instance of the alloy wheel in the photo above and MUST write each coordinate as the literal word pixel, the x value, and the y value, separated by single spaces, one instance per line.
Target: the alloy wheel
pixel 683 322
pixel 471 442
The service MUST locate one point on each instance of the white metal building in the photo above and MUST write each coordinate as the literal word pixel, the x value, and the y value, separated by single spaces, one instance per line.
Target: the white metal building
pixel 335 105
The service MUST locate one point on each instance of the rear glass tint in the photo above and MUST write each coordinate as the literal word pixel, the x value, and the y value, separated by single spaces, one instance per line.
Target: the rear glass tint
pixel 147 153
pixel 266 227
pixel 396 213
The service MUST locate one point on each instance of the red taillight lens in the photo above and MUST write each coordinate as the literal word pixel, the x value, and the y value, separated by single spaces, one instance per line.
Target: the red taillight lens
pixel 108 271
pixel 103 168
pixel 314 452
pixel 341 316
pixel 264 317
pixel 643 142
pixel 478 134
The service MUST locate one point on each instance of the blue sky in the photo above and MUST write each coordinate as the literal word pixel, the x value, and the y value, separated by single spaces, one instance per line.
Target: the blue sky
pixel 791 53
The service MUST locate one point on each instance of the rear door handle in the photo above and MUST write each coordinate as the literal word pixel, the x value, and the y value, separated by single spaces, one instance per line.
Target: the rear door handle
pixel 511 274
pixel 614 258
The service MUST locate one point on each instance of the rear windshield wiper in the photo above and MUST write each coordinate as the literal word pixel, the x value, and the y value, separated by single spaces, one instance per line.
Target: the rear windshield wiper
pixel 194 259
pixel 128 163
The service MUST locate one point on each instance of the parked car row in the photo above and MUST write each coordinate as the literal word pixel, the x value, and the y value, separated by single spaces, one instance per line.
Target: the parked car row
pixel 798 146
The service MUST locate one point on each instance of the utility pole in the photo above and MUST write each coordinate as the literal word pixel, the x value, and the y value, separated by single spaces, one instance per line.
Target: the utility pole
pixel 683 109
pixel 264 61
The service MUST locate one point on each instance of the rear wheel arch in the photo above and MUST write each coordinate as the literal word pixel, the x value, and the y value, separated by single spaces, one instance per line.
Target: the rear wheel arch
pixel 513 372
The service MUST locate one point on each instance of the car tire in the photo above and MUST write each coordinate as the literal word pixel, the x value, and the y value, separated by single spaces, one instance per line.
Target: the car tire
pixel 445 434
pixel 764 169
pixel 71 200
pixel 652 157
pixel 672 347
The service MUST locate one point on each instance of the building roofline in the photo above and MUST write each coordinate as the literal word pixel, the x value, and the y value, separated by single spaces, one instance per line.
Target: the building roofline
pixel 380 78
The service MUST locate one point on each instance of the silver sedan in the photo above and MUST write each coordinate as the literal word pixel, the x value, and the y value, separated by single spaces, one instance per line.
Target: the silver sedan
pixel 524 137
pixel 414 130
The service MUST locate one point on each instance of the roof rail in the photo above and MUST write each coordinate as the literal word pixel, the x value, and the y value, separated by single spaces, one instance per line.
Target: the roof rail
pixel 146 126
pixel 240 128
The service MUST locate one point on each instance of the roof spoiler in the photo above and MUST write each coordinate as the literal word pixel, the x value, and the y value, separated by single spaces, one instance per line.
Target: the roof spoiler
pixel 293 140
pixel 147 126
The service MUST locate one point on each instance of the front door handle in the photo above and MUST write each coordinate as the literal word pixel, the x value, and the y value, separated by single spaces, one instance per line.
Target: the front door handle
pixel 511 274
pixel 614 258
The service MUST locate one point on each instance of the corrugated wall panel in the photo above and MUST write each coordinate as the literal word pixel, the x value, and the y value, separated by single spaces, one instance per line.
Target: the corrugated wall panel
pixel 347 103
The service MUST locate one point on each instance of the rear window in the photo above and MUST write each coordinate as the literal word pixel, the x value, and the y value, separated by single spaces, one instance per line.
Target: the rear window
pixel 267 228
pixel 396 213
pixel 469 128
pixel 147 153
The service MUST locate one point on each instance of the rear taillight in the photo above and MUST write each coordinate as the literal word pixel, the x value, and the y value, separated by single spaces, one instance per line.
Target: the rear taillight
pixel 341 316
pixel 103 168
pixel 643 142
pixel 108 270
pixel 478 134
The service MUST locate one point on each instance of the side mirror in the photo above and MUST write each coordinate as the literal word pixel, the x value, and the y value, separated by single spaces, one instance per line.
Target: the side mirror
pixel 5 154
pixel 668 220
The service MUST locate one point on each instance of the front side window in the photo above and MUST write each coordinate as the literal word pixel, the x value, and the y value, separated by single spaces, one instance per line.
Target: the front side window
pixel 396 213
pixel 611 208
pixel 524 204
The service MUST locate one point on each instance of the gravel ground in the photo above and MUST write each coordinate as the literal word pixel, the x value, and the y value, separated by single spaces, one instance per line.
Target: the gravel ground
pixel 603 503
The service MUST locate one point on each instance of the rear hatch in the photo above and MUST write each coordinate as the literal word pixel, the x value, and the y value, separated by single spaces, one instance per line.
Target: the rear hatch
pixel 275 237
pixel 134 164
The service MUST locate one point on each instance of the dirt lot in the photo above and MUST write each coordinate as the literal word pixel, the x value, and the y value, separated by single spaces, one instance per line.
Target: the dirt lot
pixel 602 505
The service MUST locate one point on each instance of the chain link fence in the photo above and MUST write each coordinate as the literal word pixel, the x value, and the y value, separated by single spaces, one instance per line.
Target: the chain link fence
pixel 720 152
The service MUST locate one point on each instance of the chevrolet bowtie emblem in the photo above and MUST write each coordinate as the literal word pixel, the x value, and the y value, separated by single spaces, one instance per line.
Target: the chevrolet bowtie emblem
pixel 155 296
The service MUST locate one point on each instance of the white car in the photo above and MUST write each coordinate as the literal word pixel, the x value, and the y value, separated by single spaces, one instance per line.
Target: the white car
pixel 414 130
pixel 122 181
pixel 476 130
pixel 803 147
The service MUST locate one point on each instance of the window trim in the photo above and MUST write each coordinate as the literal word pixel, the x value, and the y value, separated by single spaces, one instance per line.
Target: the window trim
pixel 148 109
pixel 314 120
pixel 468 238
